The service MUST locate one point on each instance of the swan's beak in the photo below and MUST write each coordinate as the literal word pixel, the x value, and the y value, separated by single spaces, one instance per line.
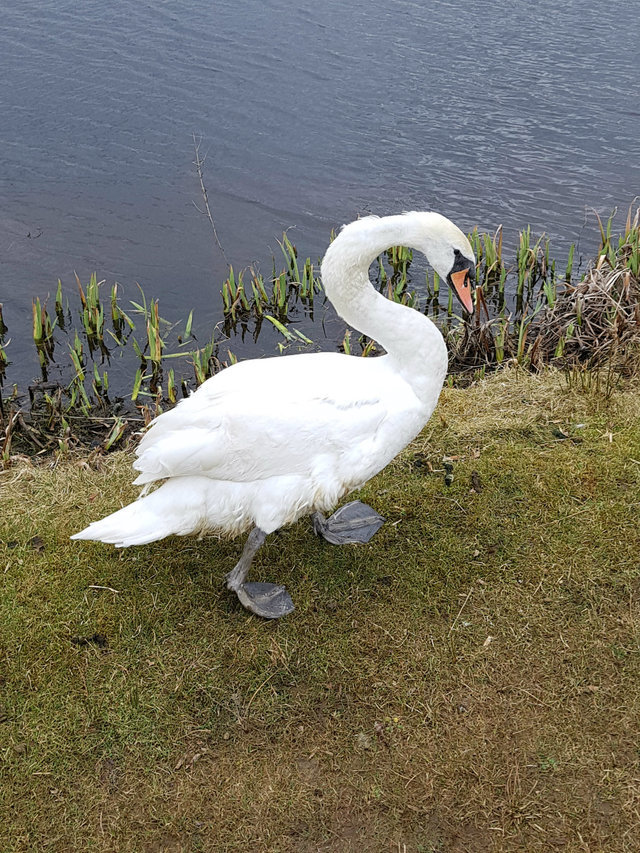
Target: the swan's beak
pixel 461 281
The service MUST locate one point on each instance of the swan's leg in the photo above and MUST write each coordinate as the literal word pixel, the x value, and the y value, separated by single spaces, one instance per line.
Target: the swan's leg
pixel 352 523
pixel 264 599
pixel 255 541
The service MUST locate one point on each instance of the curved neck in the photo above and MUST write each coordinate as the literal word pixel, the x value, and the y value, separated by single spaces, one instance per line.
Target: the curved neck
pixel 411 340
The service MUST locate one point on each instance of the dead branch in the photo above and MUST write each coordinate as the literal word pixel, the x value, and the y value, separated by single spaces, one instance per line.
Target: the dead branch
pixel 199 163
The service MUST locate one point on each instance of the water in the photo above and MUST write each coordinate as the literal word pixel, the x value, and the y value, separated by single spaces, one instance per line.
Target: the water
pixel 310 113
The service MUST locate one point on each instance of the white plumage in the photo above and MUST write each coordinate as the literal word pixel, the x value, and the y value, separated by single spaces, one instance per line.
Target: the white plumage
pixel 267 441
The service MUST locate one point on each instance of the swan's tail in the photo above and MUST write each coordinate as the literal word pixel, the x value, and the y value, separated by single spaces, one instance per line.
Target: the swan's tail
pixel 176 507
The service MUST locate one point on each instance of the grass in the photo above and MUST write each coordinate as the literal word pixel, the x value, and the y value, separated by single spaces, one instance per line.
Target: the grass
pixel 466 682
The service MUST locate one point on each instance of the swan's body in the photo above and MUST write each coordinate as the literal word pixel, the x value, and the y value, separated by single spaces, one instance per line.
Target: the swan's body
pixel 270 440
pixel 267 441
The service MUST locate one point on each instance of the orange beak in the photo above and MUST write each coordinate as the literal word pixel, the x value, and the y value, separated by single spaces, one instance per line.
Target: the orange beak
pixel 462 287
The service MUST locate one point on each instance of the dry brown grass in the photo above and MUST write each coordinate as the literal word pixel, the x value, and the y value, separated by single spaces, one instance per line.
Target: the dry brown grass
pixel 607 305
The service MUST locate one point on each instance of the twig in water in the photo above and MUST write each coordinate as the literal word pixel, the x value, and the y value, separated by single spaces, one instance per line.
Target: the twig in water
pixel 199 163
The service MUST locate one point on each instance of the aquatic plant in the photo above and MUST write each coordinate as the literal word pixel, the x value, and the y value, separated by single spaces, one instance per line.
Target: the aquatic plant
pixel 3 352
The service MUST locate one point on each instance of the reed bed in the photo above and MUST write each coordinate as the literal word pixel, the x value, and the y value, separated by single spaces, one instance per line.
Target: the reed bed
pixel 592 322
pixel 530 309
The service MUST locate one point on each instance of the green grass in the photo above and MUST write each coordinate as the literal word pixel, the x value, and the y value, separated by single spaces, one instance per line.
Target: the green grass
pixel 466 682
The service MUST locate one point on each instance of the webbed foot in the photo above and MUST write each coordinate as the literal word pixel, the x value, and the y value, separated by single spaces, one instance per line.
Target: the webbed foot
pixel 269 600
pixel 356 522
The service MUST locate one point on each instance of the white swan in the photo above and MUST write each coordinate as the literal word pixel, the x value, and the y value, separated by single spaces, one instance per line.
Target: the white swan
pixel 270 440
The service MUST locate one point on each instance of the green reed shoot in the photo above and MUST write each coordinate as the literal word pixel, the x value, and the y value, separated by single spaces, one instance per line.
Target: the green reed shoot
pixel 188 325
pixel 203 362
pixel 308 283
pixel 233 295
pixel 118 317
pixel 279 299
pixel 43 334
pixel 138 351
pixel 92 313
pixel 172 391
pixel 288 334
pixel 523 260
pixel 501 284
pixel 137 384
pixel 4 361
pixel 606 246
pixel 549 290
pixel 59 306
pixel 260 296
pixel 629 243
pixel 476 244
pixel 369 346
pixel 501 338
pixel 78 397
pixel 100 382
pixel 569 267
pixel 382 273
pixel 116 433
pixel 154 338
pixel 291 259
pixel 314 284
pixel 523 326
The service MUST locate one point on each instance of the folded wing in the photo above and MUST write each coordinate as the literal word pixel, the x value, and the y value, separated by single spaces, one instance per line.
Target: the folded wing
pixel 238 429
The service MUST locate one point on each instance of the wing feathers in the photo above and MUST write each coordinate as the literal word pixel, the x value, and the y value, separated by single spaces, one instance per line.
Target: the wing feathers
pixel 238 427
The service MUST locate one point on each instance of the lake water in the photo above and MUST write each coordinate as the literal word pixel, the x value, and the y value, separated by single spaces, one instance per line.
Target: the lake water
pixel 310 113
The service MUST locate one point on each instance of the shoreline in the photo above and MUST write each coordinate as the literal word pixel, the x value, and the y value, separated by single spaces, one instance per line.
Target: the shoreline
pixel 530 311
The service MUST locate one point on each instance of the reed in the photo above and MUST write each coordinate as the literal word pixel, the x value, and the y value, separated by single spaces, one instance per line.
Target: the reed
pixel 116 432
pixel 3 352
pixel 43 335
pixel 289 290
pixel 59 305
pixel 204 361
pixel 290 334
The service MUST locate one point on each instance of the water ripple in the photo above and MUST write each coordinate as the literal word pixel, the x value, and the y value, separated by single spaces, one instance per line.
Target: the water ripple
pixel 504 113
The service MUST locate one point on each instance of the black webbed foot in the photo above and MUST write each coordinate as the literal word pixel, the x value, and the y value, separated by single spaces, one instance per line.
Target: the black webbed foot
pixel 269 600
pixel 356 522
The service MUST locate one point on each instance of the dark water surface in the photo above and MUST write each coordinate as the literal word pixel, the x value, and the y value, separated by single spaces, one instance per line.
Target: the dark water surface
pixel 311 113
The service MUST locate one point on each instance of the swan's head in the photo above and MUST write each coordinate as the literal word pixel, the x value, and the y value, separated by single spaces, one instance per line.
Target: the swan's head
pixel 450 254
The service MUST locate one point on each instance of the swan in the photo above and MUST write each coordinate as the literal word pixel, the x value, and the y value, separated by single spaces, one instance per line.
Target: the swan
pixel 267 441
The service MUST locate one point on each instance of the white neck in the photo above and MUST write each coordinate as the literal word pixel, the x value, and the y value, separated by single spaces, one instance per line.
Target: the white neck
pixel 412 341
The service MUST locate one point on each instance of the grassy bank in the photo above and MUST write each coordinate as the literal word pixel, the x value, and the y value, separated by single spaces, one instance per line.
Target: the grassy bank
pixel 466 682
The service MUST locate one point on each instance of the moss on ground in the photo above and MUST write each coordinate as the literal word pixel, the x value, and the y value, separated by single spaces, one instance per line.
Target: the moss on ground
pixel 468 681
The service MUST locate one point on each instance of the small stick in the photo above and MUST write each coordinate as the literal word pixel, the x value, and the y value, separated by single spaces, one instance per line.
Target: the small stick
pixel 464 604
pixel 199 163
pixel 109 588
